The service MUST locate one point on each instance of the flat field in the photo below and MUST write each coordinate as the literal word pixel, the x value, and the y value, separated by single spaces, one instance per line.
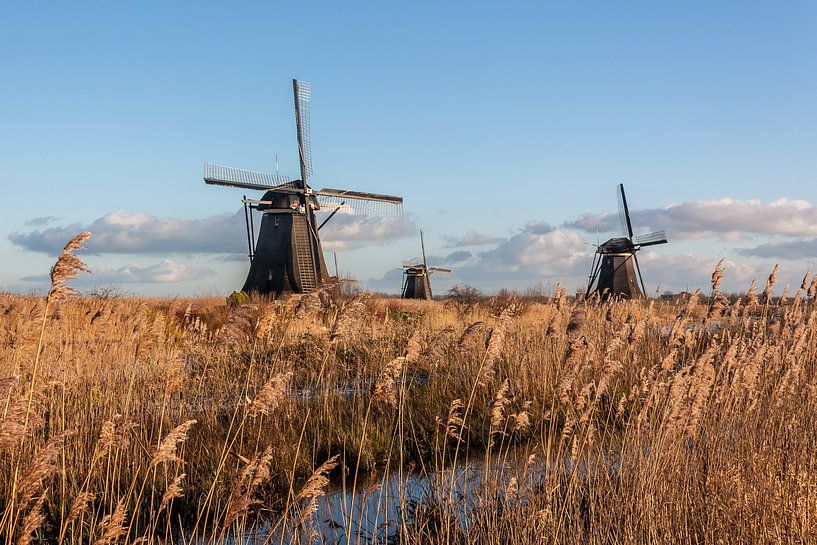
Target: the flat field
pixel 128 420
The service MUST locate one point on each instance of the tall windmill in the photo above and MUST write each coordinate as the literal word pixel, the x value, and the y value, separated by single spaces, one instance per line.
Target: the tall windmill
pixel 287 257
pixel 416 284
pixel 615 271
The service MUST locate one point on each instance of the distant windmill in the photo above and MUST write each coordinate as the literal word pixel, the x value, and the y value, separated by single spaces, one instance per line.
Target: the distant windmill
pixel 416 284
pixel 615 271
pixel 288 258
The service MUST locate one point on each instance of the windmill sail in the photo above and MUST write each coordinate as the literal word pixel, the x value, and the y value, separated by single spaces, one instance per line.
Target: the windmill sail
pixel 215 174
pixel 356 202
pixel 624 213
pixel 303 99
pixel 650 239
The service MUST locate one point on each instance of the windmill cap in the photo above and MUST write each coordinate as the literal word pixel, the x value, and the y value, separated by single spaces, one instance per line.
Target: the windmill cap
pixel 616 245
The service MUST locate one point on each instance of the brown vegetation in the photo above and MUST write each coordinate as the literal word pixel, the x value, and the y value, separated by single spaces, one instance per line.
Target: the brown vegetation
pixel 127 420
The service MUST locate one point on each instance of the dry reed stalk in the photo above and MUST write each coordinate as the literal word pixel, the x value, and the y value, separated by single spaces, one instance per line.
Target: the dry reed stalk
pixel 454 424
pixel 78 507
pixel 718 275
pixel 31 523
pixel 67 267
pixel 496 342
pixel 472 332
pixel 438 346
pixel 500 405
pixel 112 527
pixel 173 491
pixel 348 320
pixel 314 488
pixel 767 291
pixel 384 389
pixel 255 473
pixel 272 394
pixel 22 417
pixel 44 465
pixel 266 322
pixel 166 451
pixel 751 295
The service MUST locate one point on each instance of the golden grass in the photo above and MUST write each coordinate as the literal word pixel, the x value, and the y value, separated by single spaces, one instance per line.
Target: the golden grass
pixel 127 420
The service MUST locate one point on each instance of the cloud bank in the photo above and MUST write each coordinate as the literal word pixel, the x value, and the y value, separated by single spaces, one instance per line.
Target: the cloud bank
pixel 727 219
pixel 121 232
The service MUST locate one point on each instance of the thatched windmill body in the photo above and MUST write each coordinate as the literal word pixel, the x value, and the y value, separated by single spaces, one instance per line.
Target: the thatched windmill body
pixel 615 271
pixel 287 257
pixel 416 283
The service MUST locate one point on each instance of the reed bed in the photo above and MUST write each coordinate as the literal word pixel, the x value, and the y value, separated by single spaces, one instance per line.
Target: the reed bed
pixel 130 420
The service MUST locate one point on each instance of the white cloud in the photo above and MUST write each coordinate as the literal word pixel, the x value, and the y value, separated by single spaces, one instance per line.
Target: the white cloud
pixel 348 231
pixel 140 233
pixel 472 238
pixel 728 219
pixel 164 272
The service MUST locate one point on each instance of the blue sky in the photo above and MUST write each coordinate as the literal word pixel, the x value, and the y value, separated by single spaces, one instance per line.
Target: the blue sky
pixel 506 122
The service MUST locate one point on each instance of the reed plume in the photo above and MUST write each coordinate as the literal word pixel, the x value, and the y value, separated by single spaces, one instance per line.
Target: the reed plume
pixel 112 527
pixel 31 523
pixel 272 394
pixel 67 267
pixel 767 291
pixel 315 487
pixel 166 451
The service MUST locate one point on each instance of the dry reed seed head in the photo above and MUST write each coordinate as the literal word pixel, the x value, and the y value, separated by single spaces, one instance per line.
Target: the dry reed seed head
pixel 266 322
pixel 20 420
pixel 495 344
pixel 67 267
pixel 804 283
pixel 717 275
pixel 173 491
pixel 78 507
pixel 239 506
pixel 454 424
pixel 574 325
pixel 239 327
pixel 812 288
pixel 521 419
pixel 438 346
pixel 255 473
pixel 384 389
pixel 414 345
pixel 348 320
pixel 31 523
pixel 315 486
pixel 112 435
pixel 44 464
pixel 112 527
pixel 751 294
pixel 500 404
pixel 166 451
pixel 272 394
pixel 785 296
pixel 767 291
pixel 472 332
pixel 718 307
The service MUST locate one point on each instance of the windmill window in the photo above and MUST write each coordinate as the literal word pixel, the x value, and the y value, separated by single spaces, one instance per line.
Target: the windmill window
pixel 277 221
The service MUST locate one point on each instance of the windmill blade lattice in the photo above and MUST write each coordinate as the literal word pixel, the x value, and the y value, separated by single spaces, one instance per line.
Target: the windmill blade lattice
pixel 650 239
pixel 303 100
pixel 349 203
pixel 624 213
pixel 215 174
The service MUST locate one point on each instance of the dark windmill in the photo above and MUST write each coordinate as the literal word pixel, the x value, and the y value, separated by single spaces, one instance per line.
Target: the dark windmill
pixel 416 284
pixel 615 270
pixel 287 257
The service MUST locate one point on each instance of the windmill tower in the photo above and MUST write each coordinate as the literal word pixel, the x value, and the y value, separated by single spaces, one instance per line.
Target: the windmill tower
pixel 615 271
pixel 287 257
pixel 416 284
